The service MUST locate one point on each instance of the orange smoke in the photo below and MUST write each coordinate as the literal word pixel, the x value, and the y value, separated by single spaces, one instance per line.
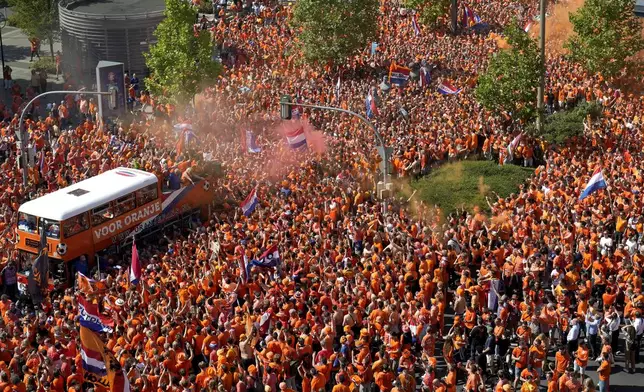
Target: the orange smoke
pixel 558 26
pixel 315 140
pixel 501 42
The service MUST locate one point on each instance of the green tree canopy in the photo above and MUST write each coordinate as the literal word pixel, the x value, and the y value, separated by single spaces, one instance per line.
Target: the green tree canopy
pixel 429 11
pixel 180 63
pixel 333 30
pixel 607 33
pixel 37 18
pixel 511 79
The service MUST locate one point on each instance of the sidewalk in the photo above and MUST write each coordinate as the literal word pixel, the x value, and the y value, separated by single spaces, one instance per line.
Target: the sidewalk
pixel 16 55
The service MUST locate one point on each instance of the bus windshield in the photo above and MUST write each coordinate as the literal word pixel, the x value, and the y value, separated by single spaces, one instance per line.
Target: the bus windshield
pixel 52 228
pixel 27 223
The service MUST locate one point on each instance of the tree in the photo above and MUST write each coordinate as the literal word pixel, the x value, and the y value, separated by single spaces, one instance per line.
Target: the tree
pixel 37 18
pixel 607 33
pixel 429 11
pixel 180 62
pixel 512 76
pixel 333 30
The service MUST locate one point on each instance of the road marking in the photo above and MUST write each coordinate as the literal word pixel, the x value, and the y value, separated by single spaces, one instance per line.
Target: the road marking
pixel 15 33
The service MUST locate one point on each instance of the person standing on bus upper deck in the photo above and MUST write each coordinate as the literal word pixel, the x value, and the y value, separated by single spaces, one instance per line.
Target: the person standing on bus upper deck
pixel 189 176
pixel 174 179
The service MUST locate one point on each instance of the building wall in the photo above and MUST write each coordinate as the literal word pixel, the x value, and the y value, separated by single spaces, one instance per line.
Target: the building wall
pixel 89 38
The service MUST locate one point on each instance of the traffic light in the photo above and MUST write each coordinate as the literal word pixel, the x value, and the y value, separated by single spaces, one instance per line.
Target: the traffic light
pixel 285 110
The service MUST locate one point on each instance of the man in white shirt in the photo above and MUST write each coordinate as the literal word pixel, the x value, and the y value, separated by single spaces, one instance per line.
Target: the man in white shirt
pixel 613 321
pixel 638 323
pixel 606 242
pixel 572 338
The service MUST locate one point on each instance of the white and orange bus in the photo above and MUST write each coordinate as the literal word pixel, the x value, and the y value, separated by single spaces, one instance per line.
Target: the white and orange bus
pixel 100 212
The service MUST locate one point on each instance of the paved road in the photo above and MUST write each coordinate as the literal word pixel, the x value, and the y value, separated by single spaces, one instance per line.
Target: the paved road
pixel 17 56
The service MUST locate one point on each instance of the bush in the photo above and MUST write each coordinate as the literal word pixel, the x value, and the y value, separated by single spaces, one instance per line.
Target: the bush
pixel 12 20
pixel 565 124
pixel 466 184
pixel 46 63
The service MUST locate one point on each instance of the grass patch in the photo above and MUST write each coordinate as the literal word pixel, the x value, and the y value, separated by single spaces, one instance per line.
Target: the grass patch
pixel 465 184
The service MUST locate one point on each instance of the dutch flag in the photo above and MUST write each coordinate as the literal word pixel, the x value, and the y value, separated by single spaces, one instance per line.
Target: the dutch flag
pixel 447 88
pixel 425 77
pixel 370 103
pixel 250 202
pixel 270 258
pixel 595 183
pixel 414 24
pixel 252 143
pixel 296 139
pixel 513 145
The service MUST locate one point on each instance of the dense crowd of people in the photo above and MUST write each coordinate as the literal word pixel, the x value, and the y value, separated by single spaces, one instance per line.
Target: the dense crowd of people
pixel 368 296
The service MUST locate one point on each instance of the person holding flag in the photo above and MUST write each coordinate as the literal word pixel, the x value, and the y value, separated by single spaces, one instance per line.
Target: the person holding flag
pixel 135 266
pixel 38 280
pixel 250 203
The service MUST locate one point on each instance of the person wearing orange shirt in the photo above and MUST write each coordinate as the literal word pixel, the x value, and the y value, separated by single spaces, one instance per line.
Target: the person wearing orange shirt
pixel 318 381
pixel 581 358
pixel 520 358
pixel 604 373
pixel 562 360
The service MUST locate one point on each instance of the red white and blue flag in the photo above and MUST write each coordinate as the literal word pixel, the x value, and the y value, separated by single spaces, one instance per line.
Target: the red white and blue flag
pixel 370 103
pixel 398 75
pixel 513 145
pixel 95 359
pixel 415 26
pixel 469 17
pixel 250 202
pixel 91 318
pixel 182 126
pixel 447 88
pixel 244 268
pixel 91 350
pixel 296 138
pixel 425 77
pixel 251 143
pixel 135 267
pixel 270 258
pixel 595 183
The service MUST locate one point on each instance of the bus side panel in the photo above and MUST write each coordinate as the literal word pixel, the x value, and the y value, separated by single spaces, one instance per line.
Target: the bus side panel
pixel 79 244
pixel 117 229
pixel 198 196
pixel 115 226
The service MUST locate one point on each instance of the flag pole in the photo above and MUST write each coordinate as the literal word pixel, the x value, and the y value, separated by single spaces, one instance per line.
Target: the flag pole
pixel 98 265
pixel 610 198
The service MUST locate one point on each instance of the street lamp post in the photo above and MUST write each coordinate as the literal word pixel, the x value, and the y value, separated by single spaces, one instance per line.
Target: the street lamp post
pixel 23 137
pixel 385 172
pixel 3 23
pixel 542 78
